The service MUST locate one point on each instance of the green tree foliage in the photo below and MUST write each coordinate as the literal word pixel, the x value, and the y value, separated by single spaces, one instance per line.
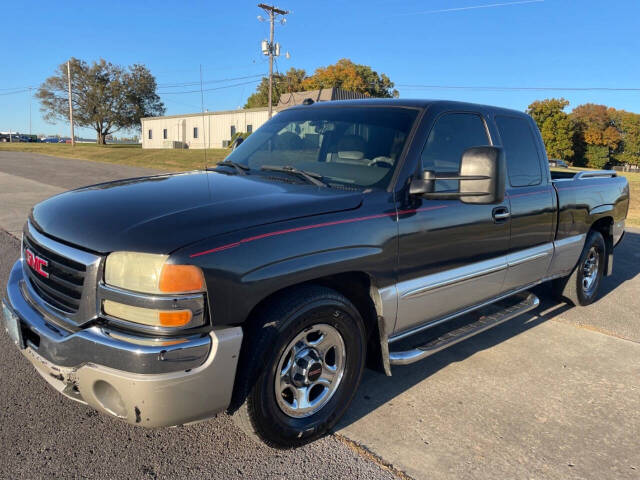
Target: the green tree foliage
pixel 105 97
pixel 344 74
pixel 628 124
pixel 596 156
pixel 556 127
pixel 282 83
pixel 593 134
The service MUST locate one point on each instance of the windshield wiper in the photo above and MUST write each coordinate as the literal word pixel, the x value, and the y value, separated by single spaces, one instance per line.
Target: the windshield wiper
pixel 311 177
pixel 240 168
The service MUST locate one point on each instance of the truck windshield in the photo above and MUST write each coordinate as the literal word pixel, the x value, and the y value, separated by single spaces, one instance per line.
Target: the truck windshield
pixel 349 146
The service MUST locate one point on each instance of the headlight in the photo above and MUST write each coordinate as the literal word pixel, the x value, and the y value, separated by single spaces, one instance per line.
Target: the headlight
pixel 148 273
pixel 151 274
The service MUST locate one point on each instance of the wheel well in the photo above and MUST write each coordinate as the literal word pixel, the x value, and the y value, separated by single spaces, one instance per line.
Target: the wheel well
pixel 604 226
pixel 356 286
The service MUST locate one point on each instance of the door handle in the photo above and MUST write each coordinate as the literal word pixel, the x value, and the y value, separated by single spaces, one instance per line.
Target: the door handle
pixel 500 214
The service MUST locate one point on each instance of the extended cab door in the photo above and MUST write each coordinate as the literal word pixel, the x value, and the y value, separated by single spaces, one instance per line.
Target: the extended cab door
pixel 451 255
pixel 531 201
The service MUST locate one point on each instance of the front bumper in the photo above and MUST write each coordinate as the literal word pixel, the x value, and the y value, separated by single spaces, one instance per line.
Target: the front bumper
pixel 149 383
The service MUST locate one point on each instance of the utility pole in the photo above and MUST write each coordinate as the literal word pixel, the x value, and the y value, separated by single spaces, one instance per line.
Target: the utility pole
pixel 272 49
pixel 30 111
pixel 73 138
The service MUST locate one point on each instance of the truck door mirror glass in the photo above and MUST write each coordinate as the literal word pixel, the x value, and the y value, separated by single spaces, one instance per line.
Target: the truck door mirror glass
pixel 481 178
pixel 488 162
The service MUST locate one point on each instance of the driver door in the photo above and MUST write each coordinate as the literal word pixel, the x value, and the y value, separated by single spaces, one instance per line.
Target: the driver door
pixel 452 255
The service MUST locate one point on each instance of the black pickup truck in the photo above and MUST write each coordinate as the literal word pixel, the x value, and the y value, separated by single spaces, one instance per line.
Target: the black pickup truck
pixel 338 235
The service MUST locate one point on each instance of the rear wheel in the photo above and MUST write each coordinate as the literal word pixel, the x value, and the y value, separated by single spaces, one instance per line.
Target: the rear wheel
pixel 300 367
pixel 581 287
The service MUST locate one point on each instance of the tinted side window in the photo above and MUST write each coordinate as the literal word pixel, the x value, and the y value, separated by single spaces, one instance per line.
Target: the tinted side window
pixel 523 164
pixel 452 134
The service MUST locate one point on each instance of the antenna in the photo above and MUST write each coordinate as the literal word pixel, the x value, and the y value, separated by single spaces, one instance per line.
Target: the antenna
pixel 204 135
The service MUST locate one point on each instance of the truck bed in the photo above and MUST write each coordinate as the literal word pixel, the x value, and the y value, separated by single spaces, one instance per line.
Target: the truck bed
pixel 585 197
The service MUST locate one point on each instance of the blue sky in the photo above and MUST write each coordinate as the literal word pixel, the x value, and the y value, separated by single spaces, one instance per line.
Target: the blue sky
pixel 504 43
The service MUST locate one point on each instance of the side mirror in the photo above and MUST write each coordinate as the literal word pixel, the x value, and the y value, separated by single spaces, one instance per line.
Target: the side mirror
pixel 482 178
pixel 488 162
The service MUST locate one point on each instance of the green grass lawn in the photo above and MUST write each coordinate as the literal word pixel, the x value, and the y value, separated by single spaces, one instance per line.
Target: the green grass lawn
pixel 161 159
pixel 633 218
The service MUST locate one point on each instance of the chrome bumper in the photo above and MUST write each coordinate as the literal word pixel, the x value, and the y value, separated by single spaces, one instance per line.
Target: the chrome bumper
pixel 151 383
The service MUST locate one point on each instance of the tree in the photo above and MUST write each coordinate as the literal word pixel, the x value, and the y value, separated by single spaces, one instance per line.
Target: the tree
pixel 282 83
pixel 353 77
pixel 556 128
pixel 344 74
pixel 629 126
pixel 595 128
pixel 105 97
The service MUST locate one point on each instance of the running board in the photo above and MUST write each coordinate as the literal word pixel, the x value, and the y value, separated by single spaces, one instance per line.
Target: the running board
pixel 523 303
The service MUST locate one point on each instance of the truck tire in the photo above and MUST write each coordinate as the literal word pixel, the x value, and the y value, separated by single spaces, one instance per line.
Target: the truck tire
pixel 581 287
pixel 300 368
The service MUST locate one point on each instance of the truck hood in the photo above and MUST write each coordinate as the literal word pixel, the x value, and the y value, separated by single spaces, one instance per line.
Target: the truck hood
pixel 163 213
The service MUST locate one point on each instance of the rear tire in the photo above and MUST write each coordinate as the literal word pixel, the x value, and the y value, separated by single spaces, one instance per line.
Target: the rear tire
pixel 582 286
pixel 311 329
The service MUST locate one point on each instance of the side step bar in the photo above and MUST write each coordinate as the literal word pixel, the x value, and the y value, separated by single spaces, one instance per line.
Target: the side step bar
pixel 527 301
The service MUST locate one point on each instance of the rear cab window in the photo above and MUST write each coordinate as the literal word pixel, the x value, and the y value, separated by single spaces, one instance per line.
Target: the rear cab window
pixel 519 143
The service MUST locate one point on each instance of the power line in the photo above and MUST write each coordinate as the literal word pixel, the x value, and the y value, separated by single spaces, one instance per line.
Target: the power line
pixel 459 9
pixel 497 88
pixel 206 89
pixel 26 89
pixel 220 80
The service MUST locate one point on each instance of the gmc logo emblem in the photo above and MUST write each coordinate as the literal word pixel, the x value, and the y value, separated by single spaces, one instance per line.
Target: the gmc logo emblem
pixel 36 263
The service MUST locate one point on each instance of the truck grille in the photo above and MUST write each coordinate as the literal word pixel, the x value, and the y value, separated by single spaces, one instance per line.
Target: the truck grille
pixel 66 284
pixel 63 289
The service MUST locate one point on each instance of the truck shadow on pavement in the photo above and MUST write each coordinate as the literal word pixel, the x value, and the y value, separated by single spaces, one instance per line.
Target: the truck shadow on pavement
pixel 377 389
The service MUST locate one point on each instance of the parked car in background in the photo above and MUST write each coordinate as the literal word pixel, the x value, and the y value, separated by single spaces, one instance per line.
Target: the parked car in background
pixel 553 162
pixel 50 140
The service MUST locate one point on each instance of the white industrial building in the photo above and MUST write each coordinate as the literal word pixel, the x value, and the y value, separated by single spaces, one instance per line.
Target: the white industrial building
pixel 215 129
pixel 197 130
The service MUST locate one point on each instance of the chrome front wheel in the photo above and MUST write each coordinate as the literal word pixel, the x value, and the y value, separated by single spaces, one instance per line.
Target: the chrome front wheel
pixel 310 370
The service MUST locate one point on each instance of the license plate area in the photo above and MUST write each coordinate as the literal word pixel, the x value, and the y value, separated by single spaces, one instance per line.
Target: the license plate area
pixel 12 326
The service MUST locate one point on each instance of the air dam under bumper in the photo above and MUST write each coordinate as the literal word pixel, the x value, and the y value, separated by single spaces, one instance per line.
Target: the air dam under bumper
pixel 148 399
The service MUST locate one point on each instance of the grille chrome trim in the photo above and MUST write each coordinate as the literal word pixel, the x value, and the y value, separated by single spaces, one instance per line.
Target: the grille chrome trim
pixel 57 296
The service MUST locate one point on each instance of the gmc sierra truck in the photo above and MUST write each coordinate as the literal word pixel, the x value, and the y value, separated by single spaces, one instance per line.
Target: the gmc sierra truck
pixel 337 236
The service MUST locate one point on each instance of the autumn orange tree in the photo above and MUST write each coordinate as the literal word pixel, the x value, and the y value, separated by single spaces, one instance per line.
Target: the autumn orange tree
pixel 343 74
pixel 598 138
pixel 353 77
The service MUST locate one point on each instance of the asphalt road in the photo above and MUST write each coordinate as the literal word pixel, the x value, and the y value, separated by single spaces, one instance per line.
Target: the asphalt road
pixel 551 394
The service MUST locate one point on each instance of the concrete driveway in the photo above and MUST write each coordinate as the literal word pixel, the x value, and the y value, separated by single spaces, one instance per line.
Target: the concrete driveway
pixel 552 394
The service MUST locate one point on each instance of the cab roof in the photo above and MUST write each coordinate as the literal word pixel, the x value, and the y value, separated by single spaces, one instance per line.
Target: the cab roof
pixel 412 103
